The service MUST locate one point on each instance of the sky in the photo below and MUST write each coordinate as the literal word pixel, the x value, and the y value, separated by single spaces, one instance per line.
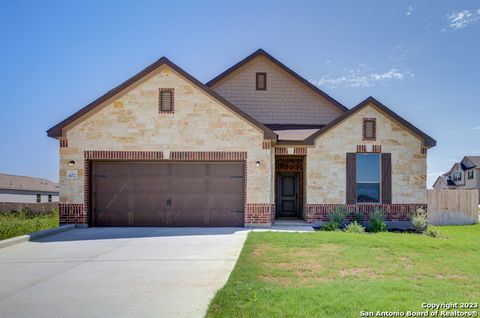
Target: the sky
pixel 420 58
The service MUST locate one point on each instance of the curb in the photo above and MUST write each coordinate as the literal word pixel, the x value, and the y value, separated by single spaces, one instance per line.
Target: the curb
pixel 35 235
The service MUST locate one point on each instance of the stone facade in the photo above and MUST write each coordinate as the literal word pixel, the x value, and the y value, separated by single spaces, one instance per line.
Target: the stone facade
pixel 201 126
pixel 132 122
pixel 326 161
pixel 286 100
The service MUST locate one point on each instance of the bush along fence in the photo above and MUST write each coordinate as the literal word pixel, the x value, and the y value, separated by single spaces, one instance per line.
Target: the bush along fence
pixel 452 207
pixel 34 207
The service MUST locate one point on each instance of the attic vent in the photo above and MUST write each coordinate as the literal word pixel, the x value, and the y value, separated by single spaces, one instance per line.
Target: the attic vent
pixel 261 81
pixel 369 129
pixel 165 100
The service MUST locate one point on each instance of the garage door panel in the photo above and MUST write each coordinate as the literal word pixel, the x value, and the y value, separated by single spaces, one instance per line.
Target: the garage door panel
pixel 226 203
pixel 225 186
pixel 189 186
pixel 186 218
pixel 113 169
pixel 225 170
pixel 112 185
pixel 168 194
pixel 190 203
pixel 189 169
pixel 144 218
pixel 151 169
pixel 150 184
pixel 148 202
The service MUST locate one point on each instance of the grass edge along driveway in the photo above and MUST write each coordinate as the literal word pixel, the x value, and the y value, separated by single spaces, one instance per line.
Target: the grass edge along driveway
pixel 336 274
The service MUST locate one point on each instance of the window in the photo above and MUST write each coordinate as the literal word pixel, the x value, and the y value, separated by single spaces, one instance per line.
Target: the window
pixel 49 198
pixel 368 178
pixel 261 82
pixel 166 100
pixel 369 129
pixel 457 176
pixel 470 175
pixel 39 198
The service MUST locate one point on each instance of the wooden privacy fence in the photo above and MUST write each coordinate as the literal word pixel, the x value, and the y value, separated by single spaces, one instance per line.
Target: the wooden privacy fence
pixel 450 207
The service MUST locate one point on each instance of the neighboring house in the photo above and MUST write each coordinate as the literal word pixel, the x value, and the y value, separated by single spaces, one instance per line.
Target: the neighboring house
pixel 256 143
pixel 463 175
pixel 21 189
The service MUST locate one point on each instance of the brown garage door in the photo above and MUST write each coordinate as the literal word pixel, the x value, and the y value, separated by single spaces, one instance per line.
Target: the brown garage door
pixel 167 193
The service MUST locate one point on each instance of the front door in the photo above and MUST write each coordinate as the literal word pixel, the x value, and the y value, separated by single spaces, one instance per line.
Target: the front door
pixel 287 194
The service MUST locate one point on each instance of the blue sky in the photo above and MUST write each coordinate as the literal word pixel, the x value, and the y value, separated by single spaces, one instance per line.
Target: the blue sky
pixel 420 58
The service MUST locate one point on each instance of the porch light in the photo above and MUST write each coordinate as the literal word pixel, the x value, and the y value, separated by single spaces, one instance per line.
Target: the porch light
pixel 71 163
pixel 257 164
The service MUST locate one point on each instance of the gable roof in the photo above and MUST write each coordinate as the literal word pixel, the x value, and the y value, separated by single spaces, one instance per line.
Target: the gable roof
pixel 56 131
pixel 475 160
pixel 14 182
pixel 429 141
pixel 261 52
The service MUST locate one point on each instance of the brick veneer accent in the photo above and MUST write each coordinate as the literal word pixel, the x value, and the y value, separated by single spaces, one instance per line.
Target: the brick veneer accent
pixel 71 213
pixel 300 150
pixel 63 143
pixel 375 148
pixel 364 130
pixel 208 155
pixel 160 90
pixel 393 212
pixel 266 144
pixel 259 213
pixel 296 151
pixel 122 155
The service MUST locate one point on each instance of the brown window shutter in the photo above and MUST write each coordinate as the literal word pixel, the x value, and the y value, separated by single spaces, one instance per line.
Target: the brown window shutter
pixel 387 178
pixel 351 178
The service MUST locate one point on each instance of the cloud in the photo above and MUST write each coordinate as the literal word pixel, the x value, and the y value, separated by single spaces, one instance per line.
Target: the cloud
pixel 452 160
pixel 409 11
pixel 362 76
pixel 461 19
pixel 476 128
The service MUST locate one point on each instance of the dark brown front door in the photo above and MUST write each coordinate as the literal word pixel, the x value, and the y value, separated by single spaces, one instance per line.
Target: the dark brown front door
pixel 287 194
pixel 167 193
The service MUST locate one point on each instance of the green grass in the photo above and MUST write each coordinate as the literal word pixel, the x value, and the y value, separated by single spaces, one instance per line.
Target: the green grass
pixel 19 223
pixel 337 274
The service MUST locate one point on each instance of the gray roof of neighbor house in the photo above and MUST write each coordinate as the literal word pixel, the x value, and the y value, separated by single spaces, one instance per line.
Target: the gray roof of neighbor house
pixel 14 182
pixel 474 159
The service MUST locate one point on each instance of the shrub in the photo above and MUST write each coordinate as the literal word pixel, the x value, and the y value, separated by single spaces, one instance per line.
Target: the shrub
pixel 432 231
pixel 354 227
pixel 338 215
pixel 419 221
pixel 377 221
pixel 357 217
pixel 331 226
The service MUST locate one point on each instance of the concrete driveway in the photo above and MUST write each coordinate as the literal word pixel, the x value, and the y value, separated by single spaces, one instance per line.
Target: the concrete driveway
pixel 118 272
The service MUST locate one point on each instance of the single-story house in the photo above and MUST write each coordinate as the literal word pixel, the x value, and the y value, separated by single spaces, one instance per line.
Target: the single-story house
pixel 464 175
pixel 256 143
pixel 23 189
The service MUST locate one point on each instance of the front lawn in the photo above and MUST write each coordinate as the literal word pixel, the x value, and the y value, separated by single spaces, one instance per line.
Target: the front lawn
pixel 336 274
pixel 24 222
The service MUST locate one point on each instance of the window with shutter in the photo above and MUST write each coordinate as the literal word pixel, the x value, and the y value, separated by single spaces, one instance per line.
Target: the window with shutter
pixel 166 100
pixel 261 81
pixel 369 129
